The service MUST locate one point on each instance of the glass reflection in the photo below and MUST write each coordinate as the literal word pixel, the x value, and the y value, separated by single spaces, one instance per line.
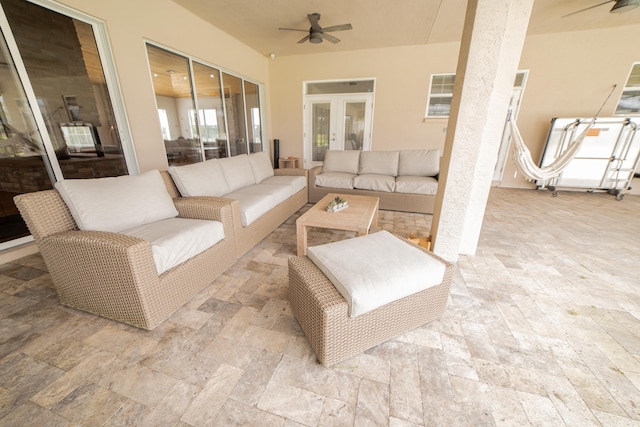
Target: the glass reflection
pixel 210 111
pixel 174 98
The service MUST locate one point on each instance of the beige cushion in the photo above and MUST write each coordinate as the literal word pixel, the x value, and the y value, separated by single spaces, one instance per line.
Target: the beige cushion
pixel 416 185
pixel 237 171
pixel 175 240
pixel 344 161
pixel 377 269
pixel 253 203
pixel 375 182
pixel 379 162
pixel 261 166
pixel 419 163
pixel 200 179
pixel 335 180
pixel 296 182
pixel 118 203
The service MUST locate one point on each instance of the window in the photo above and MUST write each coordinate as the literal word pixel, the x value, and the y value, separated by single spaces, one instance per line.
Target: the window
pixel 629 103
pixel 440 93
pixel 204 112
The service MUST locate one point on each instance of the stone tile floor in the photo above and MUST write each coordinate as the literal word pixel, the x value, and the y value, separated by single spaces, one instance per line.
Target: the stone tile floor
pixel 542 328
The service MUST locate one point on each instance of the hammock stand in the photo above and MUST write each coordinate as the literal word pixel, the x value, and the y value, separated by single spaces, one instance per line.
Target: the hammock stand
pixel 547 174
pixel 544 175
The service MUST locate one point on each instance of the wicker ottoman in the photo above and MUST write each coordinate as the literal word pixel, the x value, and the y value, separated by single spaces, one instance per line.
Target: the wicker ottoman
pixel 323 313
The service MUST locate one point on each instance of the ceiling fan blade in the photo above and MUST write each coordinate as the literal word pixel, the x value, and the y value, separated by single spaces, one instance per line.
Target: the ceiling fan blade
pixel 330 38
pixel 293 29
pixel 338 28
pixel 587 8
pixel 304 39
pixel 313 20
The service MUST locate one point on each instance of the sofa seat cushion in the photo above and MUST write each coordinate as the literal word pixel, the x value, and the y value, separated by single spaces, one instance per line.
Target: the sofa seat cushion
pixel 344 161
pixel 175 240
pixel 376 269
pixel 237 171
pixel 255 201
pixel 379 162
pixel 417 185
pixel 200 179
pixel 261 166
pixel 419 163
pixel 117 203
pixel 296 183
pixel 335 180
pixel 375 182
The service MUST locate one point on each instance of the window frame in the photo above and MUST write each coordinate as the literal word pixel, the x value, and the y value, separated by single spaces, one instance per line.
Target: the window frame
pixel 627 89
pixel 431 95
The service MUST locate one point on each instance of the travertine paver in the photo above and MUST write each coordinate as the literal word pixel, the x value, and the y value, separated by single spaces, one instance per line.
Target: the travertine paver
pixel 542 328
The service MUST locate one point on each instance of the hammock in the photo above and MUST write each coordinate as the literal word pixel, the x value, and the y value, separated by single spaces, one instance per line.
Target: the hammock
pixel 522 156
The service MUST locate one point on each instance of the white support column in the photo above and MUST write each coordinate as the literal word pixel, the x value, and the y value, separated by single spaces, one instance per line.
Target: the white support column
pixel 492 41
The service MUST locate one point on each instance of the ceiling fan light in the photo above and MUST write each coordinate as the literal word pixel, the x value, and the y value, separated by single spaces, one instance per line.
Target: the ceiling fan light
pixel 624 5
pixel 315 38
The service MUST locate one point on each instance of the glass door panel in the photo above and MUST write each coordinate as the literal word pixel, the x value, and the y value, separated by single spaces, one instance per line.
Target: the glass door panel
pixel 354 125
pixel 64 68
pixel 212 131
pixel 320 129
pixel 252 110
pixel 234 107
pixel 24 166
pixel 174 98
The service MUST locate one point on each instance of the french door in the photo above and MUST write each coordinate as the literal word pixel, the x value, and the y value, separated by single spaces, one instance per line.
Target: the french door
pixel 336 122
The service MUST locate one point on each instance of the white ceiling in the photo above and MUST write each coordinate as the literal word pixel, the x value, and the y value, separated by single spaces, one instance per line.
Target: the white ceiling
pixel 381 23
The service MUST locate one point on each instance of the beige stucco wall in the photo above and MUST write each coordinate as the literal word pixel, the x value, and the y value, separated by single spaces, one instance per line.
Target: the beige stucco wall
pixel 129 24
pixel 570 74
pixel 402 83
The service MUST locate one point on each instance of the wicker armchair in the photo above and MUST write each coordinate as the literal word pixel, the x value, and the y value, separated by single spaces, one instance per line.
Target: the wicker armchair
pixel 113 275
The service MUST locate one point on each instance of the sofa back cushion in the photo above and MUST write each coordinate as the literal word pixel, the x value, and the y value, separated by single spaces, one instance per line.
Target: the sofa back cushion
pixel 237 171
pixel 261 166
pixel 343 161
pixel 419 163
pixel 200 179
pixel 119 203
pixel 379 162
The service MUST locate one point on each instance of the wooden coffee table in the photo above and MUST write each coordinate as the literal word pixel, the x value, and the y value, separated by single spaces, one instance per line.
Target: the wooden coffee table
pixel 361 214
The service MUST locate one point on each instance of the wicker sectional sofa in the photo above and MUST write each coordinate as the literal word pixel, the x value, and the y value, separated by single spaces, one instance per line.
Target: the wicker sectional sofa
pixel 405 180
pixel 114 274
pixel 260 197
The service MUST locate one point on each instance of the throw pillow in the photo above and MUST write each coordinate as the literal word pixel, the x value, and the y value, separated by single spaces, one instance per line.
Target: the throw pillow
pixel 341 161
pixel 200 179
pixel 261 166
pixel 419 163
pixel 119 203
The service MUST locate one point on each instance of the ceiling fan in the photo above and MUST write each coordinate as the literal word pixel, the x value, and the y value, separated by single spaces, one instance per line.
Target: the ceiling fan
pixel 317 33
pixel 618 7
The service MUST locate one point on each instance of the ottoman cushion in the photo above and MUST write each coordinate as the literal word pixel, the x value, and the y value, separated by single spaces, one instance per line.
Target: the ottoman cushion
pixel 377 269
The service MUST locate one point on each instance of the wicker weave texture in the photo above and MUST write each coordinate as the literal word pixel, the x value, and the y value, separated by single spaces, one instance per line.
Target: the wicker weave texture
pixel 323 313
pixel 114 275
pixel 419 203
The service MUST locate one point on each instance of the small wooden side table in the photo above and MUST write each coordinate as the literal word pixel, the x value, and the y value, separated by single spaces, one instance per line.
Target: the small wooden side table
pixel 288 162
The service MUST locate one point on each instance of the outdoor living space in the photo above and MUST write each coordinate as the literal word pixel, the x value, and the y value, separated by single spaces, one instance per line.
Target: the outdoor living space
pixel 542 327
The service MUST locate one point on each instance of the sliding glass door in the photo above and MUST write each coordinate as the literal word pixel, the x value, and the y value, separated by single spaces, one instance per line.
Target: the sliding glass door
pixel 58 118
